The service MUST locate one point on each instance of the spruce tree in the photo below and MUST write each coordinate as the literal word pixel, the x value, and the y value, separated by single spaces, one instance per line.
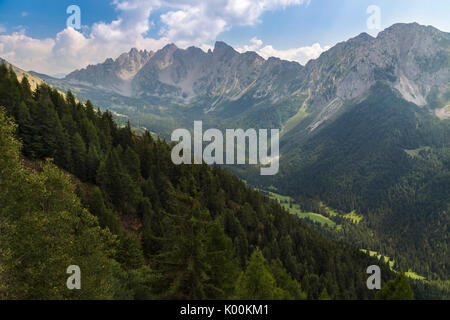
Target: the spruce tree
pixel 79 156
pixel 257 282
pixel 396 289
pixel 182 265
pixel 223 268
pixel 44 229
pixel 290 288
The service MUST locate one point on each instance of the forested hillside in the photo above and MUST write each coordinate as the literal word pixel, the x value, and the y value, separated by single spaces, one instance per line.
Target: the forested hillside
pixel 162 231
pixel 364 128
pixel 388 160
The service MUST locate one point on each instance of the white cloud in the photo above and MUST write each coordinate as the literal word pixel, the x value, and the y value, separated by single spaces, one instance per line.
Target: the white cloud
pixel 188 22
pixel 191 26
pixel 2 29
pixel 301 54
pixel 255 44
pixel 21 48
pixel 198 22
pixel 71 49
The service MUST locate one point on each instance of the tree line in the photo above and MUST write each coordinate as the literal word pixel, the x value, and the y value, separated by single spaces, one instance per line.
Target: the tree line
pixel 78 189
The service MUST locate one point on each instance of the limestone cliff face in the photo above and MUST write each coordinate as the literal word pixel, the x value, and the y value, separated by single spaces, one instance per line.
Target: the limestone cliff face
pixel 112 75
pixel 411 58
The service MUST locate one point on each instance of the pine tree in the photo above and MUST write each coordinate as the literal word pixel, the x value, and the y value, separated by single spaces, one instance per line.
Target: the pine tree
pixel 324 295
pixel 121 190
pixel 79 156
pixel 132 163
pixel 290 288
pixel 26 89
pixel 396 289
pixel 130 251
pixel 44 229
pixel 94 201
pixel 23 119
pixel 182 265
pixel 92 163
pixel 223 268
pixel 257 282
pixel 46 128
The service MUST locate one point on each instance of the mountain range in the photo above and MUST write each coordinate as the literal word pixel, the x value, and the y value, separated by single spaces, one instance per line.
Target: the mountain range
pixel 365 127
pixel 236 87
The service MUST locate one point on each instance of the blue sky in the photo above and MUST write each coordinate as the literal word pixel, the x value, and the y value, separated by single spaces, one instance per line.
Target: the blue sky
pixel 34 35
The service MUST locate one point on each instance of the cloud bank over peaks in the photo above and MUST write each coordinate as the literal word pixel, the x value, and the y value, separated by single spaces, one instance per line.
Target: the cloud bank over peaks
pixel 301 55
pixel 184 23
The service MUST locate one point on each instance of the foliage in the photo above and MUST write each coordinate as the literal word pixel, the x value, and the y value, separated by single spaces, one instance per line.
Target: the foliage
pixel 396 289
pixel 180 232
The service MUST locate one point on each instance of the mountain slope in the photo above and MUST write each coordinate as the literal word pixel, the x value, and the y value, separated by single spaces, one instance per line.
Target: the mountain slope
pixel 183 232
pixel 363 161
pixel 220 85
pixel 112 75
pixel 364 127
pixel 230 87
pixel 413 59
pixel 33 79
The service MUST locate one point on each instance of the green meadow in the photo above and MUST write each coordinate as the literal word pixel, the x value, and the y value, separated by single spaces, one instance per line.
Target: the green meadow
pixel 324 219
pixel 379 256
pixel 410 274
pixel 289 204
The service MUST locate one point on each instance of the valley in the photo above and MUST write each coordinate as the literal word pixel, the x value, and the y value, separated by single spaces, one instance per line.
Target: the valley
pixel 325 220
pixel 364 145
pixel 352 134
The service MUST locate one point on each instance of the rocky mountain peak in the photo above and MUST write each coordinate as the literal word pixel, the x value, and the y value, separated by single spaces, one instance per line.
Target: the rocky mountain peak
pixel 221 49
pixel 399 29
pixel 134 51
pixel 361 38
pixel 168 49
pixel 411 58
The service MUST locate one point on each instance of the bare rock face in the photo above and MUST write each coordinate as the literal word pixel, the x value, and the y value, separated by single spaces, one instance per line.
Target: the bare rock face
pixel 128 64
pixel 112 75
pixel 411 58
pixel 192 73
pixel 185 74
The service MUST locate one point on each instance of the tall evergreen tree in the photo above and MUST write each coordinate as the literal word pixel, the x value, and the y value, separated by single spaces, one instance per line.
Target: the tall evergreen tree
pixel 396 289
pixel 223 268
pixel 47 232
pixel 79 156
pixel 257 282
